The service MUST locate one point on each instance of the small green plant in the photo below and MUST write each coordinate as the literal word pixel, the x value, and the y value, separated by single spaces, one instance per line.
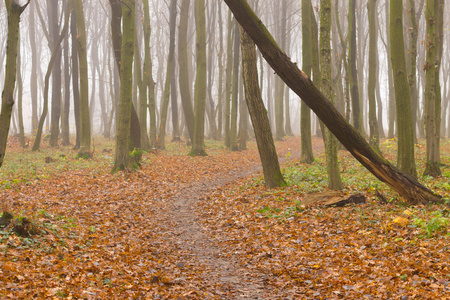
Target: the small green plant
pixel 438 225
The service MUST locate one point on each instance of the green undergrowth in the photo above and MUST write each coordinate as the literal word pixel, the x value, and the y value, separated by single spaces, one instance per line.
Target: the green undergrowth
pixel 50 233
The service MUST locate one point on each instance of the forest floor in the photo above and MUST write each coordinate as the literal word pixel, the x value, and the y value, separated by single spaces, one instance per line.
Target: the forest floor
pixel 207 228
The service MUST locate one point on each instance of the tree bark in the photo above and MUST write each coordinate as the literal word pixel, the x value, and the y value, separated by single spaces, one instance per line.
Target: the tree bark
pixel 169 74
pixel 14 11
pixel 185 91
pixel 198 144
pixel 235 90
pixel 148 77
pixel 405 156
pixel 374 139
pixel 52 10
pixel 432 167
pixel 258 115
pixel 305 121
pixel 122 157
pixel 353 74
pixel 297 80
pixel 85 128
pixel 331 143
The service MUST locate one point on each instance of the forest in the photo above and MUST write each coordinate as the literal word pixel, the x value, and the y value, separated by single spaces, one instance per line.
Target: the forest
pixel 235 149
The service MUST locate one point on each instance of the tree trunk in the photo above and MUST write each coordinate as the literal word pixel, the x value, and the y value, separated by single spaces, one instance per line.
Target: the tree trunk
pixel 75 79
pixel 52 9
pixel 297 80
pixel 116 31
pixel 353 74
pixel 392 120
pixel 185 91
pixel 432 167
pixel 37 140
pixel 235 91
pixel 148 77
pixel 405 156
pixel 198 144
pixel 14 11
pixel 122 156
pixel 85 128
pixel 20 96
pixel 331 143
pixel 220 87
pixel 258 115
pixel 279 85
pixel 305 121
pixel 228 79
pixel 169 74
pixel 413 32
pixel 374 139
pixel 65 132
pixel 34 67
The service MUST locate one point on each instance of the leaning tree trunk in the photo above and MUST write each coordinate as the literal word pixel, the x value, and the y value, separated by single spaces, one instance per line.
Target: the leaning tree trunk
pixel 301 84
pixel 260 120
pixel 14 12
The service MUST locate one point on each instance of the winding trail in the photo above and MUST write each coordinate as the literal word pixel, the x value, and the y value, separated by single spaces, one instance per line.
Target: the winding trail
pixel 223 276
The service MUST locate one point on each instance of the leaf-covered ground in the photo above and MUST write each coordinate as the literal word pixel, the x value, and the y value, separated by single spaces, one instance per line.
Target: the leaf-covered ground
pixel 207 228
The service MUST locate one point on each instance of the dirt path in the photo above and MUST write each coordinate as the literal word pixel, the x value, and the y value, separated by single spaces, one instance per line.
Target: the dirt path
pixel 223 276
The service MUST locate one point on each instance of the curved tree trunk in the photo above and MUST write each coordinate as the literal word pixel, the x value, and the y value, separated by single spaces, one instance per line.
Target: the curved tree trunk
pixel 297 80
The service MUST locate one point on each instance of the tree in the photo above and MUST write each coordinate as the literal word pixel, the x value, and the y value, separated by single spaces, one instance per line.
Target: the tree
pixel 34 67
pixel 258 114
pixel 432 167
pixel 405 156
pixel 297 80
pixel 198 144
pixel 53 58
pixel 148 77
pixel 353 74
pixel 52 12
pixel 235 90
pixel 331 144
pixel 85 124
pixel 374 139
pixel 305 122
pixel 185 91
pixel 122 156
pixel 14 11
pixel 169 73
